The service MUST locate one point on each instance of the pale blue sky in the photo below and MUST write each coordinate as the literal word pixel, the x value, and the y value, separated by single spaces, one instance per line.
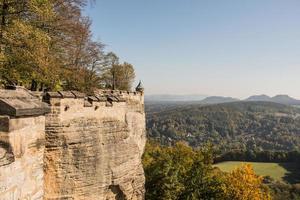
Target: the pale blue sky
pixel 214 47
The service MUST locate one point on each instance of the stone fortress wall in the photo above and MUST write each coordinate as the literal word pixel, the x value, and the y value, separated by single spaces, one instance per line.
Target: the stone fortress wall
pixel 71 146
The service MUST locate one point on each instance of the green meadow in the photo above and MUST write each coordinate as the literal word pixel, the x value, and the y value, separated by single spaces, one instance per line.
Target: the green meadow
pixel 287 172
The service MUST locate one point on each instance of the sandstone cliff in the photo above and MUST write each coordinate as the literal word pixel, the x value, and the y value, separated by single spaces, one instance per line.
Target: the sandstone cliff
pixel 89 147
pixel 22 138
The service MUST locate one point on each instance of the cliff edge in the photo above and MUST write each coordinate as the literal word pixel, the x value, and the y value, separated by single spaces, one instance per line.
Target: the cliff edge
pixel 73 146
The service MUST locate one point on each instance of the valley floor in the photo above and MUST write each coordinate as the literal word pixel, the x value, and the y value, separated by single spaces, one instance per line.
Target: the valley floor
pixel 287 172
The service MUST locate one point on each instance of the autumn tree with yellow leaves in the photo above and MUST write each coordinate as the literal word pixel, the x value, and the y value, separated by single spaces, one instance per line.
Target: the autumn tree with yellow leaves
pixel 24 41
pixel 243 184
pixel 48 44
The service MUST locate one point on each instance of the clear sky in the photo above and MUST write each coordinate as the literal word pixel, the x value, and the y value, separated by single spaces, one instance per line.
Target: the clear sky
pixel 214 47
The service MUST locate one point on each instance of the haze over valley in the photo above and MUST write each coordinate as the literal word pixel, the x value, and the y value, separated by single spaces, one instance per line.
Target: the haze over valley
pixel 204 99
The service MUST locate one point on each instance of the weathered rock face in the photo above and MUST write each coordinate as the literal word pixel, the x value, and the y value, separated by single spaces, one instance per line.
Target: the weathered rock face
pixel 21 159
pixel 94 149
pixel 83 149
pixel 22 138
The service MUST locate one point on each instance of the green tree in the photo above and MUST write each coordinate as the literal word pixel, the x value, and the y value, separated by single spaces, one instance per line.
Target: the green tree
pixel 24 42
pixel 116 75
pixel 202 181
pixel 48 43
pixel 123 76
pixel 165 169
pixel 179 172
pixel 108 79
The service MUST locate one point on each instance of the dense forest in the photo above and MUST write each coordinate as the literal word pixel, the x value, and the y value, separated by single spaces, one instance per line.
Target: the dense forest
pixel 242 126
pixel 237 131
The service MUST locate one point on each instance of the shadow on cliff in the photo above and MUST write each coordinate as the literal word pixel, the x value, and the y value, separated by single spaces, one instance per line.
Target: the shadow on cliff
pixel 6 154
pixel 119 195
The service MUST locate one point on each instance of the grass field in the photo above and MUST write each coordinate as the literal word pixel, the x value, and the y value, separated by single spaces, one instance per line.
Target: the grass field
pixel 288 172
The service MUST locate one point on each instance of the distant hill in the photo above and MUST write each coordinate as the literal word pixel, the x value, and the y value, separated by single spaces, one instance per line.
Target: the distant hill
pixel 217 100
pixel 259 98
pixel 229 126
pixel 203 99
pixel 283 99
pixel 173 98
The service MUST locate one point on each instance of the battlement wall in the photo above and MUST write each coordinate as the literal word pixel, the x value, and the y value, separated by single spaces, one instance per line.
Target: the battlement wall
pixel 94 145
pixel 73 146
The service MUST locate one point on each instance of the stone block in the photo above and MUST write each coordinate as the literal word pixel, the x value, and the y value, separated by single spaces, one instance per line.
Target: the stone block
pixel 78 95
pixel 66 94
pixel 92 98
pixel 101 98
pixel 53 95
pixel 21 102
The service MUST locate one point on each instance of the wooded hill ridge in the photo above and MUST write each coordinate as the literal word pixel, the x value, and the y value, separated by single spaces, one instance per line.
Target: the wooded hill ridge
pixel 242 125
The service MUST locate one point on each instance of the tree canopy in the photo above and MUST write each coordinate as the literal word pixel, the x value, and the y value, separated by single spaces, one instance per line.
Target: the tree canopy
pixel 179 172
pixel 48 44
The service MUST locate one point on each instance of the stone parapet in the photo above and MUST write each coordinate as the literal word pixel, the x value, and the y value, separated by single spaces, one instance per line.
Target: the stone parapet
pixel 20 102
pixel 67 145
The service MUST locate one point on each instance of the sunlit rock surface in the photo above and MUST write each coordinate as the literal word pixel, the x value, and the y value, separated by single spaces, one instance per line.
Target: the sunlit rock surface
pixel 85 148
pixel 22 142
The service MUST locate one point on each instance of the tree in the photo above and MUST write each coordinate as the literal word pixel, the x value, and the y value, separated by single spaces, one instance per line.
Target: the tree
pixel 202 181
pixel 123 76
pixel 77 55
pixel 165 169
pixel 108 79
pixel 48 42
pixel 82 66
pixel 179 172
pixel 25 44
pixel 116 75
pixel 244 184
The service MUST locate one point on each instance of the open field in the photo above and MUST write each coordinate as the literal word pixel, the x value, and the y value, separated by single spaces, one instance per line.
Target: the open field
pixel 288 172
